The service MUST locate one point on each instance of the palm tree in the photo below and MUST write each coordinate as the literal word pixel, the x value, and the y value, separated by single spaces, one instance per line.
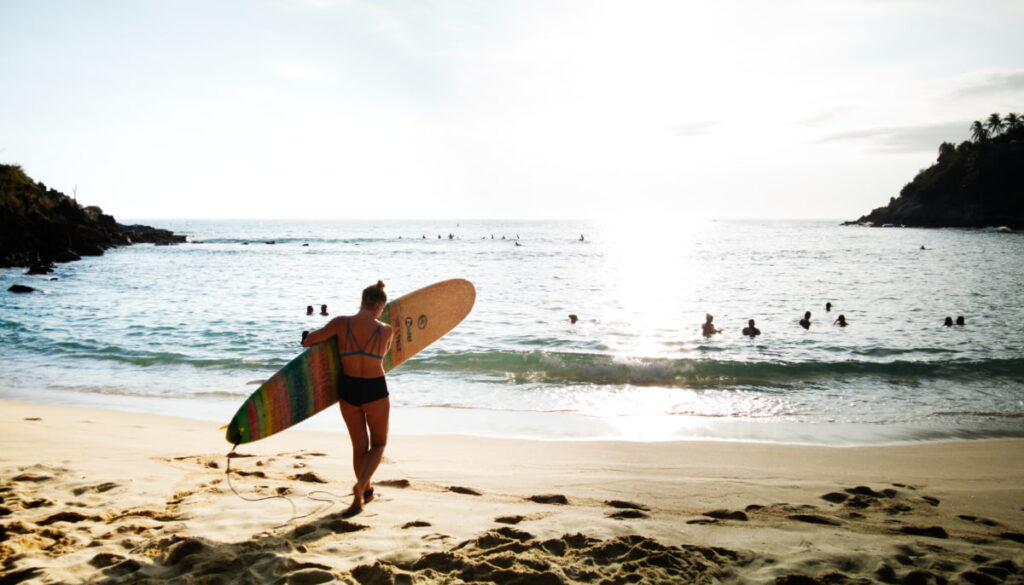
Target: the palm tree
pixel 979 132
pixel 994 124
pixel 1013 121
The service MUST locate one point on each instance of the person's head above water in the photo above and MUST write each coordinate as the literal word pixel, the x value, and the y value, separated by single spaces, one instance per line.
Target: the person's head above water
pixel 751 322
pixel 807 315
pixel 948 322
pixel 374 294
pixel 309 309
pixel 323 309
pixel 709 317
pixel 573 319
pixel 960 320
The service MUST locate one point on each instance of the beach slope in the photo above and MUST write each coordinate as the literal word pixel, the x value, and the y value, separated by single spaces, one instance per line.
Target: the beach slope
pixel 92 496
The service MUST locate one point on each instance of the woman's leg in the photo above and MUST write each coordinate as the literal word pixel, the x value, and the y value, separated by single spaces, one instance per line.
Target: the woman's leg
pixel 377 414
pixel 355 420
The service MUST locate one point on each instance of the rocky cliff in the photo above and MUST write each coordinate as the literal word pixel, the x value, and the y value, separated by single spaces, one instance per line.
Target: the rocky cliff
pixel 39 226
pixel 977 183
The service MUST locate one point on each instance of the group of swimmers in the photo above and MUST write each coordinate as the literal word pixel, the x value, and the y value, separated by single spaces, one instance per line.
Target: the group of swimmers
pixel 708 328
pixel 323 310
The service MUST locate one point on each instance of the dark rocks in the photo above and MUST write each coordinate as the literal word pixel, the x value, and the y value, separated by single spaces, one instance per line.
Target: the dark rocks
pixel 20 288
pixel 40 226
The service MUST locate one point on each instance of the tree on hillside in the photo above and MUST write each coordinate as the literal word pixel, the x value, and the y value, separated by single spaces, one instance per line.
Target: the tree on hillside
pixel 1013 122
pixel 994 124
pixel 979 132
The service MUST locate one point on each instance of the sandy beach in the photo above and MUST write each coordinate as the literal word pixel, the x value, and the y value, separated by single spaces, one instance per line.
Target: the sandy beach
pixel 94 496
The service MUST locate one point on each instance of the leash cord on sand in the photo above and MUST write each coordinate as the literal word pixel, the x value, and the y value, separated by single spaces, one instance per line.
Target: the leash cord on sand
pixel 327 503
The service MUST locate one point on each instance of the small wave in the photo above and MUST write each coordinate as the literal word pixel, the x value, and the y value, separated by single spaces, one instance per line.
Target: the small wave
pixel 156 358
pixel 542 366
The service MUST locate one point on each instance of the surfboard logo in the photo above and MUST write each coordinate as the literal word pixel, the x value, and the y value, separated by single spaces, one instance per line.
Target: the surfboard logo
pixel 408 329
pixel 422 322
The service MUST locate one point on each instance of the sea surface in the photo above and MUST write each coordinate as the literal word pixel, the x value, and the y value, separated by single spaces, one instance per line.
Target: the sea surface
pixel 186 330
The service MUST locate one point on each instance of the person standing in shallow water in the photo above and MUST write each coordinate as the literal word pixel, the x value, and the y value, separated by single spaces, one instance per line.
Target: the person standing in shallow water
pixel 708 328
pixel 363 341
pixel 750 330
pixel 806 321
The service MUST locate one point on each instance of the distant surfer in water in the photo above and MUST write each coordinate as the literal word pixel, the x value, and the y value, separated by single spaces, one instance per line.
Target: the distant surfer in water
pixel 708 328
pixel 750 330
pixel 806 321
pixel 363 392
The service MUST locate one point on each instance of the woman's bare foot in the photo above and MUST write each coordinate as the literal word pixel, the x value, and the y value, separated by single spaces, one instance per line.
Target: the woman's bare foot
pixel 368 495
pixel 358 498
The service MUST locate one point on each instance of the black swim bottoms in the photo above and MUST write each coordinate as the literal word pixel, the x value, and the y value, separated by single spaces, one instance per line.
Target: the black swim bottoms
pixel 359 391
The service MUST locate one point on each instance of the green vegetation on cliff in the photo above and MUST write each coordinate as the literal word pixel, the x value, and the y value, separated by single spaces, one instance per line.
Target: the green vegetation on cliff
pixel 39 226
pixel 978 183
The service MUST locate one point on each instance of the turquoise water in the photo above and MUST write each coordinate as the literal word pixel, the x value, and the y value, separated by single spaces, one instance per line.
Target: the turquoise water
pixel 183 330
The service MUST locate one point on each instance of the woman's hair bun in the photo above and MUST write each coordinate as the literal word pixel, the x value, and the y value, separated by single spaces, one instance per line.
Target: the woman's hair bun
pixel 380 284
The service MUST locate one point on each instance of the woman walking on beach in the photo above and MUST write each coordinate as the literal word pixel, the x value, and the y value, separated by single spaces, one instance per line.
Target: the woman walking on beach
pixel 362 390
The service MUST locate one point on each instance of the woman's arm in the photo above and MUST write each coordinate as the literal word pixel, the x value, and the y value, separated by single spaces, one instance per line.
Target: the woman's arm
pixel 324 333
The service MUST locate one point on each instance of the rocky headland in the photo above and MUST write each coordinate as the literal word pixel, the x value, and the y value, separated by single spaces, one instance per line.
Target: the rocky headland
pixel 40 226
pixel 975 184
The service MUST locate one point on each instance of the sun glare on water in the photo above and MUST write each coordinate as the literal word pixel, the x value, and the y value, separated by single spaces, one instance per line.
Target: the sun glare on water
pixel 650 278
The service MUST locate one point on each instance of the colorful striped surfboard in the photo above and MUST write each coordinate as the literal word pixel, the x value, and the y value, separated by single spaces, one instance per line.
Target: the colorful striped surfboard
pixel 308 384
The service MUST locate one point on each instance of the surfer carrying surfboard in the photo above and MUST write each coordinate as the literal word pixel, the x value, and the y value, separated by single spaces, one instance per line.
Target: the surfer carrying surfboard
pixel 363 341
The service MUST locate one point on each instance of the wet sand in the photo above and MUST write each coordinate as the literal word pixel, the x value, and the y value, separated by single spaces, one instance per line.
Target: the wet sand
pixel 96 496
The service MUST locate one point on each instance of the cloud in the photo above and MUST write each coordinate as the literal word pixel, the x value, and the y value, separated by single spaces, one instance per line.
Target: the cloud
pixel 903 139
pixel 996 83
pixel 821 117
pixel 299 72
pixel 693 129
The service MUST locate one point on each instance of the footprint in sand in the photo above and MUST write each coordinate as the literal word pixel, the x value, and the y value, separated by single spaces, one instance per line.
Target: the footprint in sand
pixel 415 524
pixel 395 483
pixel 464 490
pixel 977 520
pixel 727 515
pixel 814 519
pixel 628 515
pixel 623 505
pixel 558 499
pixel 510 519
pixel 99 489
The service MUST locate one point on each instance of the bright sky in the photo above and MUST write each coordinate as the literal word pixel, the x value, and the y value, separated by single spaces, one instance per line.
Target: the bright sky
pixel 497 109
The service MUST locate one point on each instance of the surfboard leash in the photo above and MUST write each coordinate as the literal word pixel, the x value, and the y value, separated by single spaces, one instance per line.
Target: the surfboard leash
pixel 295 511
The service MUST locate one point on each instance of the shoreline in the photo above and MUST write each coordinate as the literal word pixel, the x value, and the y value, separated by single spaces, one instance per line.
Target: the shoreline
pixel 536 425
pixel 97 494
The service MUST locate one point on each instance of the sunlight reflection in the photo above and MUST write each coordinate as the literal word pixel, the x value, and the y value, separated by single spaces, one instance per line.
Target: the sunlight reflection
pixel 651 273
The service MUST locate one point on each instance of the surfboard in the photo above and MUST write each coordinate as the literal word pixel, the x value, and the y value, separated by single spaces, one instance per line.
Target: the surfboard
pixel 308 383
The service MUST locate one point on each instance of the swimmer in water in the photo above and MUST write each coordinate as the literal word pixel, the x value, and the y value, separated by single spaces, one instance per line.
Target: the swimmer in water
pixel 806 321
pixel 841 321
pixel 750 330
pixel 323 310
pixel 828 307
pixel 573 319
pixel 948 322
pixel 708 328
pixel 960 320
pixel 309 310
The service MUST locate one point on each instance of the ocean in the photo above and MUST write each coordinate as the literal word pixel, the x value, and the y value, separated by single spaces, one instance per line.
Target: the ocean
pixel 186 330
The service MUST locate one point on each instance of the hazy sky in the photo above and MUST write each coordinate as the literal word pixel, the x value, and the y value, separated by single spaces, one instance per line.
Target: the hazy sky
pixel 494 109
